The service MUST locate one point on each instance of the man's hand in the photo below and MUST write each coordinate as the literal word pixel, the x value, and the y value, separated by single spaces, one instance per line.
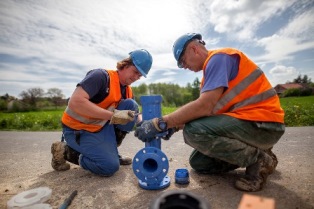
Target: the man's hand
pixel 122 116
pixel 171 131
pixel 147 130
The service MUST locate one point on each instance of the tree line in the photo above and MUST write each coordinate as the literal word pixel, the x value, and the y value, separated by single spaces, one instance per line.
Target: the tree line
pixel 33 99
pixel 36 98
pixel 173 95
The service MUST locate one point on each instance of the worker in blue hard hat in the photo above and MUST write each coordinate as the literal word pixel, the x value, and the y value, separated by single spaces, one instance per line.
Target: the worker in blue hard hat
pixel 100 112
pixel 236 120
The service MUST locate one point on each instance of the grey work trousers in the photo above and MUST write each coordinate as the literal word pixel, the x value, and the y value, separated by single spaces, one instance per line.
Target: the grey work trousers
pixel 223 143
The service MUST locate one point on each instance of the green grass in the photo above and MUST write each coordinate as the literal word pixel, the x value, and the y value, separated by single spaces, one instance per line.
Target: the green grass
pixel 31 121
pixel 167 110
pixel 299 111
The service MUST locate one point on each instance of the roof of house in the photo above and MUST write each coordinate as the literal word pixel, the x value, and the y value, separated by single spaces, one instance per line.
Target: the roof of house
pixel 290 85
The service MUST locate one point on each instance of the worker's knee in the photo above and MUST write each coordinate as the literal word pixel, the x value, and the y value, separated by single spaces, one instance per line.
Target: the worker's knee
pixel 108 169
pixel 190 135
pixel 128 104
pixel 103 168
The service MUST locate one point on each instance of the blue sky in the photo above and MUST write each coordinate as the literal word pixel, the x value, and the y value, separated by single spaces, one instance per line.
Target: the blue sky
pixel 52 44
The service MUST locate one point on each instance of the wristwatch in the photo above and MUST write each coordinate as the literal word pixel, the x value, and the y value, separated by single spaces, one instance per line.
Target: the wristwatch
pixel 162 125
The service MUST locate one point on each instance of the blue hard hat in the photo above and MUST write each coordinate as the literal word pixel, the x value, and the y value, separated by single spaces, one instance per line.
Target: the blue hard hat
pixel 181 43
pixel 142 60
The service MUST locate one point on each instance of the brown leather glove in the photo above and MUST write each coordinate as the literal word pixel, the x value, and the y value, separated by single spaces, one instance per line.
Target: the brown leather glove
pixel 122 116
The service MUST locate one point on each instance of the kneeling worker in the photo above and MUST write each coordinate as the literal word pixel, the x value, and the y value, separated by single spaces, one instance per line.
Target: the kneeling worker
pixel 236 120
pixel 100 112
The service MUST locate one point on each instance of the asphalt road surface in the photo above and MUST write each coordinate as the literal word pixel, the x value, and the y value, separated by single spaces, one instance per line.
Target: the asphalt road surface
pixel 25 164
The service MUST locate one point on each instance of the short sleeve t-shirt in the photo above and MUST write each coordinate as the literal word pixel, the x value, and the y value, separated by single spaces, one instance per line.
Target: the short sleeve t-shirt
pixel 220 69
pixel 96 84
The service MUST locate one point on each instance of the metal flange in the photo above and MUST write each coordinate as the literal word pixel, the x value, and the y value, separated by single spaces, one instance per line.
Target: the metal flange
pixel 150 165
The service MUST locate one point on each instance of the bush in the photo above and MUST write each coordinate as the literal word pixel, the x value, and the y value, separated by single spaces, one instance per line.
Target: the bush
pixel 292 93
pixel 306 92
pixel 3 105
pixel 297 92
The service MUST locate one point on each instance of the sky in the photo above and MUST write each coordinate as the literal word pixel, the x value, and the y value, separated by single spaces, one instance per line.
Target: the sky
pixel 53 44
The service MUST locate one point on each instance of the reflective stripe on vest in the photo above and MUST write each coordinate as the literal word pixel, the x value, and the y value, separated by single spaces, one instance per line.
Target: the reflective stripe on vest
pixel 239 88
pixel 82 119
pixel 249 95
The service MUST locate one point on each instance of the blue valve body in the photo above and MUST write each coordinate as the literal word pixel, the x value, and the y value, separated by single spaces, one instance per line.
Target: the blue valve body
pixel 150 164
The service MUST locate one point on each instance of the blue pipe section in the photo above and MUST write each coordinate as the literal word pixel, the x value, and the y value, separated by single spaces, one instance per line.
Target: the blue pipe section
pixel 150 164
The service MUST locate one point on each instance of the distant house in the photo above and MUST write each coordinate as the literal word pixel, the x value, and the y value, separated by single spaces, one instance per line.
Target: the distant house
pixel 281 88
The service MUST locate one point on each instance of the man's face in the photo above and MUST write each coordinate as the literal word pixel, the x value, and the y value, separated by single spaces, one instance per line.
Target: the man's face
pixel 129 75
pixel 188 59
pixel 182 61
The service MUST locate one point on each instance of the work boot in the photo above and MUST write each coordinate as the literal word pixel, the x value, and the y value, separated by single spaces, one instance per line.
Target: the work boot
pixel 257 173
pixel 120 135
pixel 58 161
pixel 125 160
pixel 71 155
pixel 273 156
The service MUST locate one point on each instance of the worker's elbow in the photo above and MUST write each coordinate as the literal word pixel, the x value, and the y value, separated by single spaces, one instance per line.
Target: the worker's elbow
pixel 208 113
pixel 74 103
pixel 71 103
pixel 206 110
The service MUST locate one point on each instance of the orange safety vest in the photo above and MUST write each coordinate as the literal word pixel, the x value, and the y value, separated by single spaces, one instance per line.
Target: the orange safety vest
pixel 250 96
pixel 78 121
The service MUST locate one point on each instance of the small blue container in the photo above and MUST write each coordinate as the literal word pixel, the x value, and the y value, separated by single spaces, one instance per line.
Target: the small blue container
pixel 182 176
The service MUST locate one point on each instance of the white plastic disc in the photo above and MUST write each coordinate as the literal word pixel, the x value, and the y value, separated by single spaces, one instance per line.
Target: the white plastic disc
pixel 39 206
pixel 29 197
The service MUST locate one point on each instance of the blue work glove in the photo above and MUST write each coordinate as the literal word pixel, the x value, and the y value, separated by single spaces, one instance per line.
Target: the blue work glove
pixel 148 129
pixel 171 131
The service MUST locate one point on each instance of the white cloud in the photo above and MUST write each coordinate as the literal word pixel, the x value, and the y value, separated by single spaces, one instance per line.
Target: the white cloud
pixel 164 80
pixel 301 27
pixel 87 35
pixel 280 70
pixel 280 74
pixel 241 18
pixel 54 43
pixel 65 29
pixel 296 36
